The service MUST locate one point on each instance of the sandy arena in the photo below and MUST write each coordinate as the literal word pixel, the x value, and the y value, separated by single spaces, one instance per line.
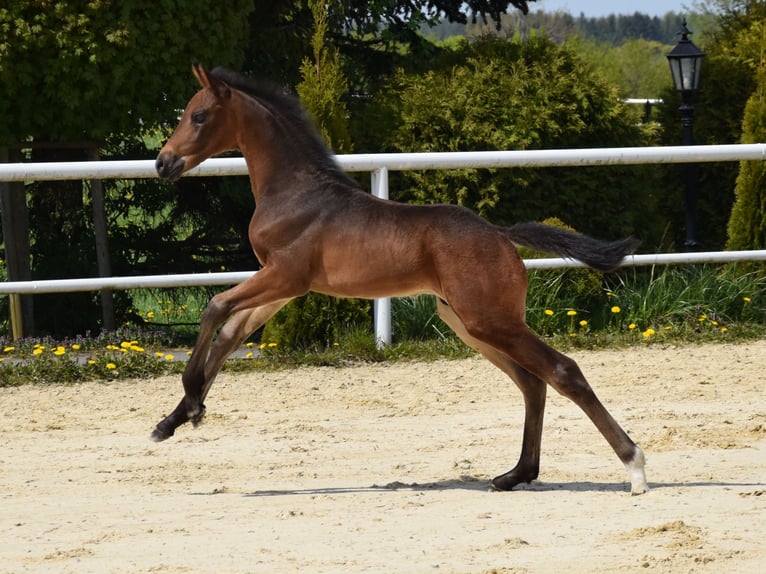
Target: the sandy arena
pixel 385 468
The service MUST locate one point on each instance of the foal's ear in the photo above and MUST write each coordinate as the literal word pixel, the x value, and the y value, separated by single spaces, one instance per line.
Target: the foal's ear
pixel 210 82
pixel 200 73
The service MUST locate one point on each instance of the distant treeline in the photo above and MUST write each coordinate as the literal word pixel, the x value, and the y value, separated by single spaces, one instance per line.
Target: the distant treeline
pixel 613 29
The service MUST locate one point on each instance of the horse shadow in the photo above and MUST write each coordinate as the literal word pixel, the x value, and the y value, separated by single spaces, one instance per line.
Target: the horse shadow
pixel 469 483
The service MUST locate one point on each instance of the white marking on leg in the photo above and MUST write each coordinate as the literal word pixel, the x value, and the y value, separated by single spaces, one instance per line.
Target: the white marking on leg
pixel 635 468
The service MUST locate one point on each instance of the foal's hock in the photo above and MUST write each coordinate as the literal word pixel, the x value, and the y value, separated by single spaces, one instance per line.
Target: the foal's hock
pixel 313 229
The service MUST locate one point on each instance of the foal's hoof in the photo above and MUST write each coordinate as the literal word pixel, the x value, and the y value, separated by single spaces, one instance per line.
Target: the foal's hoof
pixel 506 482
pixel 500 485
pixel 159 435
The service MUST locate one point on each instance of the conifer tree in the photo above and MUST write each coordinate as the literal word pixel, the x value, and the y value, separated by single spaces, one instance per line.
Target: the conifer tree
pixel 747 223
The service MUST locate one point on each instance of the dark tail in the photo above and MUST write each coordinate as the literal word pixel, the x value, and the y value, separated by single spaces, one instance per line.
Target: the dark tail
pixel 600 255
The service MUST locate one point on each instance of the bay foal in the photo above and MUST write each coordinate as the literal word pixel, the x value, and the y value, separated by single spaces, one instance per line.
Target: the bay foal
pixel 313 229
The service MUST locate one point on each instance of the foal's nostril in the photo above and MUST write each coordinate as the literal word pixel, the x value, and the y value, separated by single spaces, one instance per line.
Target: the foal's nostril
pixel 169 166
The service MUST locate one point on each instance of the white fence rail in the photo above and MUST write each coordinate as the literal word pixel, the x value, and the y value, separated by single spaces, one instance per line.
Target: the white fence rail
pixel 132 169
pixel 232 278
pixel 379 165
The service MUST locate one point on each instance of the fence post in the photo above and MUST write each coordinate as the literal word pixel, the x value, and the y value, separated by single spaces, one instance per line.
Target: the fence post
pixel 102 245
pixel 15 222
pixel 382 307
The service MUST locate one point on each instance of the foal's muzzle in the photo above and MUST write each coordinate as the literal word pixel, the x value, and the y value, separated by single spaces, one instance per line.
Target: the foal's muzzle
pixel 169 165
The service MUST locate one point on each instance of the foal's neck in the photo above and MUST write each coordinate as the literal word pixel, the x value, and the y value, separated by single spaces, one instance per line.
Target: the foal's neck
pixel 279 161
pixel 256 139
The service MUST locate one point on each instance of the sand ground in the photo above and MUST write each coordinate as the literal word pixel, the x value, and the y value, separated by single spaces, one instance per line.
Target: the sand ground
pixel 385 468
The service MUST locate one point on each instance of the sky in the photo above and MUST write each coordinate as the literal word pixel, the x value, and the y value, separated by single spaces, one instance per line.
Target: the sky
pixel 596 8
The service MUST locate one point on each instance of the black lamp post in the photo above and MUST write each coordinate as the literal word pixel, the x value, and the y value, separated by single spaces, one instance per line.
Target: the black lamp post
pixel 685 62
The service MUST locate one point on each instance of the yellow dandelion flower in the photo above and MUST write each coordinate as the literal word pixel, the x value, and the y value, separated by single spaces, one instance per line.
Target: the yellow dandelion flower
pixel 137 349
pixel 159 354
pixel 648 333
pixel 169 357
pixel 702 318
pixel 583 323
pixel 249 345
pixel 262 346
pixel 549 312
pixel 249 355
pixel 111 366
pixel 571 313
pixel 632 326
pixel 616 309
pixel 76 347
pixel 9 348
pixel 746 299
pixel 723 329
pixel 91 362
pixel 59 351
pixel 38 351
pixel 272 345
pixel 150 315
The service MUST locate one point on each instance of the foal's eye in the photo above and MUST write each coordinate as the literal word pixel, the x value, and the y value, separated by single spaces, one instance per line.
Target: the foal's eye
pixel 198 118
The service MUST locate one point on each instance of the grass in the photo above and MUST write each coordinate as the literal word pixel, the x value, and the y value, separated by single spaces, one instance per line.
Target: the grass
pixel 573 309
pixel 689 301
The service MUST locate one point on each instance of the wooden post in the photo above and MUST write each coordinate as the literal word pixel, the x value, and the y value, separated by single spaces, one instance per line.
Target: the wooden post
pixel 102 245
pixel 15 222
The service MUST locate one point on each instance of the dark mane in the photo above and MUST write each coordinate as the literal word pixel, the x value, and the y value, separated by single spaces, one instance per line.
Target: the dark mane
pixel 288 108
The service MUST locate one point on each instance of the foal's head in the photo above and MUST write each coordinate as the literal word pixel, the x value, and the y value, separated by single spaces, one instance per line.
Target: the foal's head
pixel 206 128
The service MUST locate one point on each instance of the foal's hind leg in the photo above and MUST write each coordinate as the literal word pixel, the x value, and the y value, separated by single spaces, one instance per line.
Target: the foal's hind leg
pixel 532 388
pixel 563 374
pixel 234 332
pixel 513 339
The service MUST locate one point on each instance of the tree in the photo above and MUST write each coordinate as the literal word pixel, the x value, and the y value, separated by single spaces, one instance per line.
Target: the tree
pixel 81 71
pixel 747 225
pixel 72 74
pixel 638 67
pixel 562 26
pixel 373 37
pixel 509 94
pixel 323 85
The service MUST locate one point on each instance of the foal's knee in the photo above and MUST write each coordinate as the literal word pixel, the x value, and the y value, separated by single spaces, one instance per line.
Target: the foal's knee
pixel 217 310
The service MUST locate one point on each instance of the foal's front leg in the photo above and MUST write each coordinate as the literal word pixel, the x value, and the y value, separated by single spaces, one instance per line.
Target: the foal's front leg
pixel 191 408
pixel 253 302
